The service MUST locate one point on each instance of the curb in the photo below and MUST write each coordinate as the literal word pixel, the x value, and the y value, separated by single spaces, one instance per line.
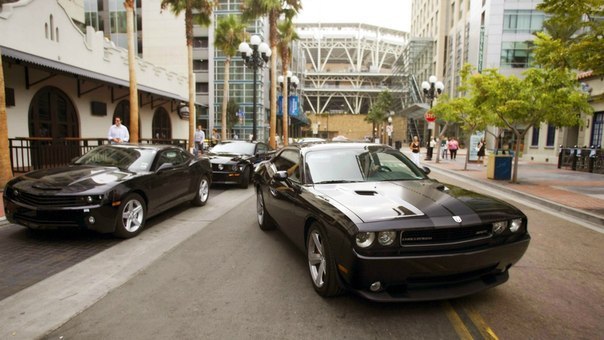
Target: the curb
pixel 589 217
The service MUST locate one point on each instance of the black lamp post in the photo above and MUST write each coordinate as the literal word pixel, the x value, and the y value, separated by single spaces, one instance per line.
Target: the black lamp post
pixel 432 89
pixel 288 85
pixel 255 57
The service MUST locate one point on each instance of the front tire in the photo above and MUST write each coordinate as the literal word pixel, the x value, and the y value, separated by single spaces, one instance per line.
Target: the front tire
pixel 131 216
pixel 203 192
pixel 265 222
pixel 245 178
pixel 321 263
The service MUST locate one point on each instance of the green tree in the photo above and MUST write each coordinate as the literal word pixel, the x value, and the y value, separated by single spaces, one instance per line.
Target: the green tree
pixel 573 36
pixel 230 32
pixel 287 34
pixel 253 9
pixel 203 14
pixel 544 95
pixel 380 110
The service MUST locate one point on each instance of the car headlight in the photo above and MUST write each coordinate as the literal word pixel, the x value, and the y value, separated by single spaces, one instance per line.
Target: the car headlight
pixel 365 240
pixel 515 225
pixel 499 227
pixel 386 238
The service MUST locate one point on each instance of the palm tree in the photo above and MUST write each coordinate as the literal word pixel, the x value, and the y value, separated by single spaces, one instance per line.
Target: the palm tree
pixel 202 17
pixel 252 9
pixel 287 34
pixel 129 4
pixel 230 32
pixel 5 165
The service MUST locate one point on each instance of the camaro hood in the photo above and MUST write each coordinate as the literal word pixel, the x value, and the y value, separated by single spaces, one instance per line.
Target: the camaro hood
pixel 382 201
pixel 71 179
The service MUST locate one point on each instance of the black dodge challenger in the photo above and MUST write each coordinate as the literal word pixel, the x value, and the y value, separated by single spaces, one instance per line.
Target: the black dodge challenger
pixel 371 222
pixel 111 189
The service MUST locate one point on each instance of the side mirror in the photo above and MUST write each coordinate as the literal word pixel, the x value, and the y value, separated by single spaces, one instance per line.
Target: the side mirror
pixel 426 170
pixel 280 176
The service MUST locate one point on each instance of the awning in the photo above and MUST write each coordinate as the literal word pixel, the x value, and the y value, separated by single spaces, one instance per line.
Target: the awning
pixel 415 111
pixel 55 65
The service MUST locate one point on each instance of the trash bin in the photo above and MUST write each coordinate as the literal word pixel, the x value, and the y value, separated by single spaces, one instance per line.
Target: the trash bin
pixel 398 145
pixel 499 166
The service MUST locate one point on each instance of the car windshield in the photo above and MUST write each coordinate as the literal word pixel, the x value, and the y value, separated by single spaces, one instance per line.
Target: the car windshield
pixel 238 148
pixel 123 158
pixel 367 164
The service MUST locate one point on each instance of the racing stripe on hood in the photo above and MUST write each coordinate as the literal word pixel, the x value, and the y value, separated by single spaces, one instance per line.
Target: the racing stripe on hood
pixel 381 201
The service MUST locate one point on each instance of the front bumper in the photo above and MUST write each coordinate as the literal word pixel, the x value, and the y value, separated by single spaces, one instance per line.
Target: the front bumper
pixel 226 177
pixel 58 218
pixel 431 277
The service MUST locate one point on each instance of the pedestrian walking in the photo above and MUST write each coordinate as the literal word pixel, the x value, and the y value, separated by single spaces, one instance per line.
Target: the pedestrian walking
pixel 453 146
pixel 415 146
pixel 118 133
pixel 199 137
pixel 444 145
pixel 430 147
pixel 481 149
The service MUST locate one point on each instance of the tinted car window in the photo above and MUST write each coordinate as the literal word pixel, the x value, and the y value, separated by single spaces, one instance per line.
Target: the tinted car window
pixel 288 161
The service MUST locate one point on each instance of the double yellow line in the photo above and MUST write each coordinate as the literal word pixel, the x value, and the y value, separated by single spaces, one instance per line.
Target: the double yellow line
pixel 460 327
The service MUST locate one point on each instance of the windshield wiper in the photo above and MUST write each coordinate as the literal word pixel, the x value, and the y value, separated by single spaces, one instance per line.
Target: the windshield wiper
pixel 336 181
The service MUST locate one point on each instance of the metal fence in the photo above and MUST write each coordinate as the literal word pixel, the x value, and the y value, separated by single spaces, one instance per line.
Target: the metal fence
pixel 582 159
pixel 27 154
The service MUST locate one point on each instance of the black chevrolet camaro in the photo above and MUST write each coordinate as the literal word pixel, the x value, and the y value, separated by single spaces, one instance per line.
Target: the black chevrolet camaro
pixel 371 222
pixel 111 189
pixel 233 162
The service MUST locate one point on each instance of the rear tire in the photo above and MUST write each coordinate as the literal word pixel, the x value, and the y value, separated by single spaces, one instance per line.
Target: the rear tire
pixel 321 263
pixel 131 216
pixel 203 192
pixel 265 222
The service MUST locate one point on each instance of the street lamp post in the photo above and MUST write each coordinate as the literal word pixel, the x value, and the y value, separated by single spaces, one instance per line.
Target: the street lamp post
pixel 255 57
pixel 432 89
pixel 288 84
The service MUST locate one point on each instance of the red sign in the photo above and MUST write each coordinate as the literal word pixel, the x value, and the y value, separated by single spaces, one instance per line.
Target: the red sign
pixel 430 116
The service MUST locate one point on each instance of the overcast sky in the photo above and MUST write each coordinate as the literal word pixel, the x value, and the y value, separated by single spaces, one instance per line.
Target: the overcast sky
pixel 394 14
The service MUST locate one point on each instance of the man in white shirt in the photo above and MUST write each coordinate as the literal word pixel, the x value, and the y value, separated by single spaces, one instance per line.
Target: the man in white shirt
pixel 199 137
pixel 118 133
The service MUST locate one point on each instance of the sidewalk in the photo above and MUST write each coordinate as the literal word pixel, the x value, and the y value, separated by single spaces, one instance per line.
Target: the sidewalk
pixel 577 193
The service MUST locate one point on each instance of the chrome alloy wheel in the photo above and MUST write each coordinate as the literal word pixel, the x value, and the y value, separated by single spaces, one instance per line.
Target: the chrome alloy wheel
pixel 204 189
pixel 316 259
pixel 260 207
pixel 133 215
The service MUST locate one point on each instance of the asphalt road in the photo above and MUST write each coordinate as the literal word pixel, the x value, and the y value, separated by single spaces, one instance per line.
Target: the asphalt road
pixel 230 280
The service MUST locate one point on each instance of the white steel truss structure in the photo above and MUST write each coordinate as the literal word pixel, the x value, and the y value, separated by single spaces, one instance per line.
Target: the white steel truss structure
pixel 349 65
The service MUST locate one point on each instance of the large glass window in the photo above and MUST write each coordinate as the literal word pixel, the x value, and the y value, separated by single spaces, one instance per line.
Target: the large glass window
pixel 551 135
pixel 523 21
pixel 597 129
pixel 516 54
pixel 162 127
pixel 52 114
pixel 535 138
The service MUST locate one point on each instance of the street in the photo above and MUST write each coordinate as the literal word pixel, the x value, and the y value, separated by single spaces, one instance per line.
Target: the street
pixel 228 279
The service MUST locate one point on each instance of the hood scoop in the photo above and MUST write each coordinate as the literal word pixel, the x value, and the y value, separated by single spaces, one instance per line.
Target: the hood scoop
pixel 366 192
pixel 43 186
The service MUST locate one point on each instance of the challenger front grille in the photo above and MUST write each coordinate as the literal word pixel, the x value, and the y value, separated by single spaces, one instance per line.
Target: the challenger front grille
pixel 445 236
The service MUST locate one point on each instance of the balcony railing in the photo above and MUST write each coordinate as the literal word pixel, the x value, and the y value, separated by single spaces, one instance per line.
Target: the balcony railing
pixel 33 153
pixel 582 159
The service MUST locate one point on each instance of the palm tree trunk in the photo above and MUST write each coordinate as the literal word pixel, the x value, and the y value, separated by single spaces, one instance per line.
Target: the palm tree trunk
pixel 189 33
pixel 225 97
pixel 134 131
pixel 272 18
pixel 285 103
pixel 5 164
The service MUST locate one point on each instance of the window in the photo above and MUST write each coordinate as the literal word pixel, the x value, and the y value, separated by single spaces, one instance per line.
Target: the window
pixel 516 54
pixel 161 127
pixel 551 135
pixel 288 161
pixel 523 21
pixel 200 65
pixel 200 42
pixel 597 129
pixel 202 88
pixel 535 138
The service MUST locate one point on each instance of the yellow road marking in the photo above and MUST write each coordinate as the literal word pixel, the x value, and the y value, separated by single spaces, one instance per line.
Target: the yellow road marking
pixel 483 328
pixel 461 329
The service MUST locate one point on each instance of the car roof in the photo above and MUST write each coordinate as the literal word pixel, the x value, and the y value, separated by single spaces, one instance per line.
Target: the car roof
pixel 304 148
pixel 143 146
